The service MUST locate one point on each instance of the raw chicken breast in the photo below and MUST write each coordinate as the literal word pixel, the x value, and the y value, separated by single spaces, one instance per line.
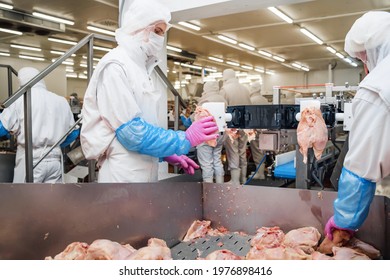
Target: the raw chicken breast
pixel 364 248
pixel 305 238
pixel 319 256
pixel 267 237
pixel 157 249
pixel 201 113
pixel 103 249
pixel 74 251
pixel 312 132
pixel 277 253
pixel 197 229
pixel 223 255
pixel 344 253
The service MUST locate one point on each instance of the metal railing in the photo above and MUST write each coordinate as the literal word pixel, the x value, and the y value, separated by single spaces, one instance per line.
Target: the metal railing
pixel 25 90
pixel 10 70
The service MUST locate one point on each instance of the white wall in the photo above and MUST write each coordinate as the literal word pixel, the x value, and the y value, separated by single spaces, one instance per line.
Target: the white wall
pixel 340 77
pixel 55 81
pixel 77 85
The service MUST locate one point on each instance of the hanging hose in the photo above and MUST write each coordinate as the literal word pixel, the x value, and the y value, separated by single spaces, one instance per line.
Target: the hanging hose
pixel 257 169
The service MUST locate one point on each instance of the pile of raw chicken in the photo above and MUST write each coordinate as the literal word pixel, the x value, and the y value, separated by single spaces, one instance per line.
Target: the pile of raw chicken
pixel 269 243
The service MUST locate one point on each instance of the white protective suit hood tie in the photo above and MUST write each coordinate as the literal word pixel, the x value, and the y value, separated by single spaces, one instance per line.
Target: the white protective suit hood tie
pixel 26 74
pixel 369 38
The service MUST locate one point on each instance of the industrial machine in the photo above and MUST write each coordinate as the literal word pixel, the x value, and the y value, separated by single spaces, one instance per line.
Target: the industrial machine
pixel 39 220
pixel 277 125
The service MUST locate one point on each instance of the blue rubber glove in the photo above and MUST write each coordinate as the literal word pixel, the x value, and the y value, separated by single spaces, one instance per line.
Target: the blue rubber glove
pixel 184 162
pixel 353 201
pixel 71 137
pixel 3 131
pixel 139 136
pixel 186 121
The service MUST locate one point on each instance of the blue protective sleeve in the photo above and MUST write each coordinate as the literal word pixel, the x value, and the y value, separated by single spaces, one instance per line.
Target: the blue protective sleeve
pixel 3 131
pixel 186 121
pixel 71 137
pixel 139 136
pixel 353 200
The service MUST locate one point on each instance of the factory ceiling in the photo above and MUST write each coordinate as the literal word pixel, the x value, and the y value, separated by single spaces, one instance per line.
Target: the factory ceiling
pixel 260 40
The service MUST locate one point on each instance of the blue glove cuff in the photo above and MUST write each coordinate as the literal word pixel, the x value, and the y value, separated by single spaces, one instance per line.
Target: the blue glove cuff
pixel 3 131
pixel 139 136
pixel 353 201
pixel 71 137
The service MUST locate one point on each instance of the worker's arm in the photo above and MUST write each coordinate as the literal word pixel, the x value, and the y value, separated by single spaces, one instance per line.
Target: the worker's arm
pixel 139 136
pixel 365 163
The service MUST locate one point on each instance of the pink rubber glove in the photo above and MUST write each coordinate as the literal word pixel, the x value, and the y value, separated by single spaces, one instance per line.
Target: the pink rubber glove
pixel 331 226
pixel 202 130
pixel 184 162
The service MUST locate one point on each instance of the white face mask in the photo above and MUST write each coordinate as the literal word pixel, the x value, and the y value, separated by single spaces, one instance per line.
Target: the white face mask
pixel 154 44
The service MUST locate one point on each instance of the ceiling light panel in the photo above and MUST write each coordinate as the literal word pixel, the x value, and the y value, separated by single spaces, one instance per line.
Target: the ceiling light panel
pixel 267 54
pixel 189 25
pixel 332 50
pixel 233 63
pixel 227 39
pixel 311 36
pixel 32 57
pixel 278 58
pixel 101 30
pixel 62 41
pixel 52 18
pixel 280 14
pixel 4 54
pixel 26 48
pixel 245 46
pixel 10 31
pixel 174 49
pixel 216 59
pixel 6 6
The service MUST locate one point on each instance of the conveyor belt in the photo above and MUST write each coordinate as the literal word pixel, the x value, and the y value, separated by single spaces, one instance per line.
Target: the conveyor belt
pixel 201 247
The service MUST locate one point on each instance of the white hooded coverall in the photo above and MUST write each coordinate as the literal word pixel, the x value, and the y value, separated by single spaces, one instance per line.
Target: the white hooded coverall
pixel 51 119
pixel 120 90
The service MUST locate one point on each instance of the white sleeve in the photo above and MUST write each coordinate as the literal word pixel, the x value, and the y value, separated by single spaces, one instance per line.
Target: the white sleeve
pixel 10 118
pixel 115 97
pixel 369 151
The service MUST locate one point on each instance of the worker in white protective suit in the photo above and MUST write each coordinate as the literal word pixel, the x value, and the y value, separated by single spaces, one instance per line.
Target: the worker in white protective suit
pixel 236 94
pixel 120 110
pixel 257 155
pixel 51 119
pixel 367 160
pixel 210 157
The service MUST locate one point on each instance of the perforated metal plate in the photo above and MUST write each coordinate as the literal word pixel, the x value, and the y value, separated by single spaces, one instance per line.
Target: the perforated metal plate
pixel 201 247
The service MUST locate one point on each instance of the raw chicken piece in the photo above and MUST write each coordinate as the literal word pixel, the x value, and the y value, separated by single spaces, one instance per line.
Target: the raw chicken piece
pixel 277 253
pixel 364 248
pixel 305 238
pixel 74 251
pixel 267 237
pixel 157 249
pixel 312 132
pixel 103 249
pixel 251 133
pixel 201 113
pixel 340 238
pixel 232 133
pixel 344 253
pixel 197 229
pixel 223 255
pixel 218 231
pixel 319 256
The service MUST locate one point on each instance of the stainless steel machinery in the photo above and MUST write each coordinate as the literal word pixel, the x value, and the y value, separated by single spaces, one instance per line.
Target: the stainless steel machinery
pixel 39 220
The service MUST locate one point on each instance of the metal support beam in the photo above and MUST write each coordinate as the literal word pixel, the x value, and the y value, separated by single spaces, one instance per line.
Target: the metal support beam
pixel 28 136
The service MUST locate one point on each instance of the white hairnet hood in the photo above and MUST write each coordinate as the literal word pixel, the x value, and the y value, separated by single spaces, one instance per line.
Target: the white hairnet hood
pixel 370 35
pixel 255 88
pixel 228 74
pixel 26 74
pixel 141 14
pixel 211 86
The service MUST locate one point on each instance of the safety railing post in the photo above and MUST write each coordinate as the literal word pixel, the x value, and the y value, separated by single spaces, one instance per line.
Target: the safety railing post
pixel 91 163
pixel 28 136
